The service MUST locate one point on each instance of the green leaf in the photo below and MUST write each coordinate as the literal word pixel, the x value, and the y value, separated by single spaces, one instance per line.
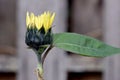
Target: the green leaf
pixel 83 45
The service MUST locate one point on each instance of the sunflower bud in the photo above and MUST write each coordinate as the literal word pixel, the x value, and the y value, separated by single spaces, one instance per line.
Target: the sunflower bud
pixel 39 29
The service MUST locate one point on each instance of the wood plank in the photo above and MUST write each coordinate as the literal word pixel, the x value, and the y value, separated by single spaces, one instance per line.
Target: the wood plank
pixel 7 76
pixel 7 50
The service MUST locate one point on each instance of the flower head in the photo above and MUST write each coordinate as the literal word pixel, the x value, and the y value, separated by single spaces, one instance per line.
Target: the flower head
pixel 44 20
pixel 39 29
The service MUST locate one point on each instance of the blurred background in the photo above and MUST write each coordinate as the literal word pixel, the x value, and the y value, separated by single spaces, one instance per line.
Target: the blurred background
pixel 96 18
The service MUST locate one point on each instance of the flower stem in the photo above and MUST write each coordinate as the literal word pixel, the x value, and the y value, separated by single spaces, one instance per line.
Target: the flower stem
pixel 41 59
pixel 45 53
pixel 39 75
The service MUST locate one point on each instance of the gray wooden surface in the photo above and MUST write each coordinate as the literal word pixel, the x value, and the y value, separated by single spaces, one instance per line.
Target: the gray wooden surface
pixel 111 29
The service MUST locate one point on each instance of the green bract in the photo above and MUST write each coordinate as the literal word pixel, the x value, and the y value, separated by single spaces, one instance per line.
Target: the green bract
pixel 38 38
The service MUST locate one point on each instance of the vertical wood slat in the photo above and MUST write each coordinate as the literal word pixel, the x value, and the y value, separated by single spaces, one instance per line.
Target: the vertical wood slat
pixel 21 47
pixel 111 18
pixel 27 58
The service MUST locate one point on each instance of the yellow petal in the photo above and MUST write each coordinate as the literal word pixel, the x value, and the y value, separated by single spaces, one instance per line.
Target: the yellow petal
pixel 52 19
pixel 27 19
pixel 39 21
pixel 48 21
pixel 45 20
pixel 32 20
pixel 36 22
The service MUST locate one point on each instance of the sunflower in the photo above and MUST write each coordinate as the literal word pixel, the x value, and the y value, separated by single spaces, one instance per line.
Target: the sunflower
pixel 38 31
